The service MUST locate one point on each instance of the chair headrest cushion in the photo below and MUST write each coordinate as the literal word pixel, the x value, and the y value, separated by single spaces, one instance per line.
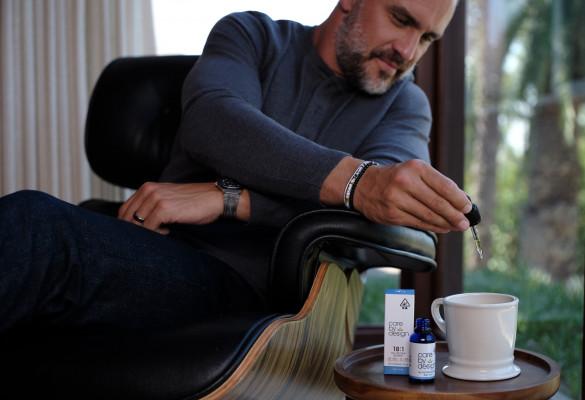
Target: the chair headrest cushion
pixel 133 116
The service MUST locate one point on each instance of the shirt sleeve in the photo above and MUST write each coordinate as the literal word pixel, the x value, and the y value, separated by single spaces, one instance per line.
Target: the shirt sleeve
pixel 402 135
pixel 224 128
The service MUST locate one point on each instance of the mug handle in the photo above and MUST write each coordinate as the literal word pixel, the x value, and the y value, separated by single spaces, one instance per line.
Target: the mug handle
pixel 437 315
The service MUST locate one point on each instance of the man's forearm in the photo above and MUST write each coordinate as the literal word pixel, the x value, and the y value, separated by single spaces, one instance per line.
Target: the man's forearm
pixel 333 188
pixel 411 193
pixel 283 163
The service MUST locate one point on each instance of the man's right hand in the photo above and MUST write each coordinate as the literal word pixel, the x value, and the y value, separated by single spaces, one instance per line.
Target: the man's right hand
pixel 414 194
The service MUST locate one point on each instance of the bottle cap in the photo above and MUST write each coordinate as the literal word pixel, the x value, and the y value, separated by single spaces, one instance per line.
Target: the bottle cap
pixel 473 216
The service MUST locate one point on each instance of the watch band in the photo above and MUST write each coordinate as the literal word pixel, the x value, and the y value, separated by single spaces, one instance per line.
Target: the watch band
pixel 231 196
pixel 230 203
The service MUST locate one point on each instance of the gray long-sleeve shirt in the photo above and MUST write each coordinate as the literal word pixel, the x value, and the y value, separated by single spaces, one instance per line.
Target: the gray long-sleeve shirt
pixel 260 106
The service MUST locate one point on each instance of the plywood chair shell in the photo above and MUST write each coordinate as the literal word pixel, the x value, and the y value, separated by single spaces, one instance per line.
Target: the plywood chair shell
pixel 294 357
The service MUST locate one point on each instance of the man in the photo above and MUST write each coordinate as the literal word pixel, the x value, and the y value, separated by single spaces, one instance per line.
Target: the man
pixel 293 115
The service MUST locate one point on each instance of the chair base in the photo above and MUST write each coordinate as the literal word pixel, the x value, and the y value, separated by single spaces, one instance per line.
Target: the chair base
pixel 293 358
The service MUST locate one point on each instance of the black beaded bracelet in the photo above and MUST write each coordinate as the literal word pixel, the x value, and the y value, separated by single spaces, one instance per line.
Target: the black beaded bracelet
pixel 353 181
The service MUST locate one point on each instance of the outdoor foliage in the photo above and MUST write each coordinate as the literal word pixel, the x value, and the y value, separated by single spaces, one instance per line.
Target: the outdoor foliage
pixel 372 312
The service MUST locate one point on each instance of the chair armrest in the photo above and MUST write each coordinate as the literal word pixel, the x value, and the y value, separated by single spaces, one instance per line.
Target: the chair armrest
pixel 350 240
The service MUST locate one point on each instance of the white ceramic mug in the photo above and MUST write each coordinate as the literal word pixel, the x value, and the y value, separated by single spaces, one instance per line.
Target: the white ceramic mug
pixel 481 334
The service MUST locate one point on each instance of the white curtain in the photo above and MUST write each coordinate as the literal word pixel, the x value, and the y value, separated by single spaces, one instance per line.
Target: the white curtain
pixel 51 53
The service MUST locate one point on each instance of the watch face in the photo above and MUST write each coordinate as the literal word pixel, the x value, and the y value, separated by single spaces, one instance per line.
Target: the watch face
pixel 228 183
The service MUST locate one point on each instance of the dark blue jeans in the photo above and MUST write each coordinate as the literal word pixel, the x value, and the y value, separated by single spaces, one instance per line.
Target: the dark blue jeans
pixel 63 266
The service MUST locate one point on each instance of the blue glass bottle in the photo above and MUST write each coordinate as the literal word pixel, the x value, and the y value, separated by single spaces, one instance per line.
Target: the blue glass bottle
pixel 422 352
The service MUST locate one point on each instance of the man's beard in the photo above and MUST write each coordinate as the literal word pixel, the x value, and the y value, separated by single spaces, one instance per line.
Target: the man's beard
pixel 352 55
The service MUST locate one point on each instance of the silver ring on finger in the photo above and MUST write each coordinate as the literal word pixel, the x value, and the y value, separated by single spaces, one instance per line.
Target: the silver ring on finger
pixel 138 218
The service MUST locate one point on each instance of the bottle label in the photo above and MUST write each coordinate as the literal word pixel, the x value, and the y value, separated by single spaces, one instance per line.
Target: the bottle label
pixel 422 360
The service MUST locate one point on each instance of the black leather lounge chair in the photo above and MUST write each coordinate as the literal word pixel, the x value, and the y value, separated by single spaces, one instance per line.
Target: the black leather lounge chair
pixel 287 352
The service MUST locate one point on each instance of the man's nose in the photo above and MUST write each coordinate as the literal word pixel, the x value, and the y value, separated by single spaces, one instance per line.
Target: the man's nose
pixel 407 45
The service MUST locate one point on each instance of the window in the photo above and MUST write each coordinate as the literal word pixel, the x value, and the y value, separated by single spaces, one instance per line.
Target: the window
pixel 525 155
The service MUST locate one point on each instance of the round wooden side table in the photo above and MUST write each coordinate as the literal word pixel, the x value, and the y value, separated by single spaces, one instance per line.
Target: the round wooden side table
pixel 360 376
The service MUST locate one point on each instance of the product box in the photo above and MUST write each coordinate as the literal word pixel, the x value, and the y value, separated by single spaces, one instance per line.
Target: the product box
pixel 398 326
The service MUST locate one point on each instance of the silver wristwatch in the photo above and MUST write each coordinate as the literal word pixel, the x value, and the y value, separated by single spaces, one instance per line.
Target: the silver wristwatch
pixel 231 195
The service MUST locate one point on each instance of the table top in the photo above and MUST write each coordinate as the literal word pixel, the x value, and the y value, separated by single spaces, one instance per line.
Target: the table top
pixel 360 376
